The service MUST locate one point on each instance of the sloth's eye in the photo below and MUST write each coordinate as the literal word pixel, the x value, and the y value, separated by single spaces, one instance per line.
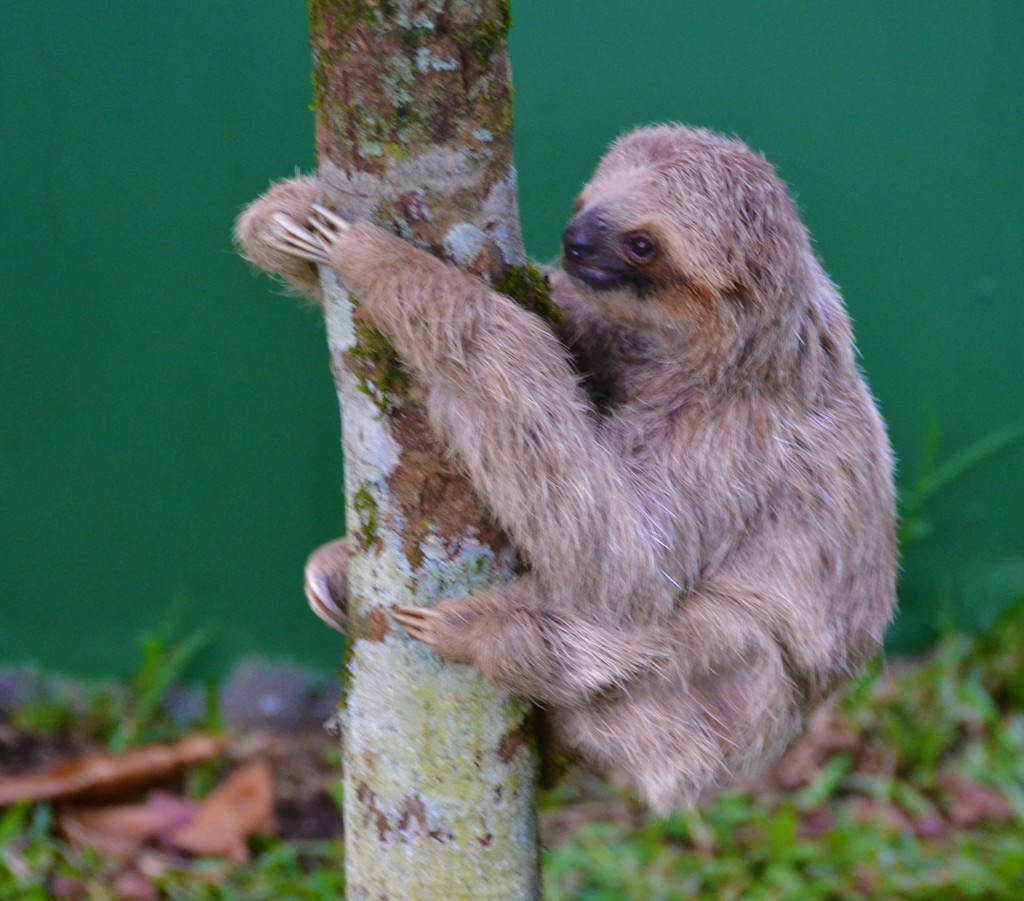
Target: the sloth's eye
pixel 640 248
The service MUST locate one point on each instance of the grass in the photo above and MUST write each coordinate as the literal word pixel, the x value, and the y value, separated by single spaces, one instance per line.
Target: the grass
pixel 913 789
pixel 936 475
pixel 119 716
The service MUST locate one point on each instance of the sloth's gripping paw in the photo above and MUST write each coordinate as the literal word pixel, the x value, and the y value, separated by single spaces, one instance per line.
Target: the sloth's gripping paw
pixel 313 241
pixel 326 583
pixel 446 629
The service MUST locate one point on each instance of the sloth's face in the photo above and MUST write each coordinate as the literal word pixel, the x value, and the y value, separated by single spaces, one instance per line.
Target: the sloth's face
pixel 643 233
pixel 635 246
pixel 683 232
pixel 605 258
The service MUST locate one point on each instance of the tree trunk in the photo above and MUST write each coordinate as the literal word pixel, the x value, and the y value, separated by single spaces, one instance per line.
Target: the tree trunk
pixel 414 115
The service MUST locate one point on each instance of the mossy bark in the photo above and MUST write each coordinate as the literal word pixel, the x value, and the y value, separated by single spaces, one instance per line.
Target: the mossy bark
pixel 413 108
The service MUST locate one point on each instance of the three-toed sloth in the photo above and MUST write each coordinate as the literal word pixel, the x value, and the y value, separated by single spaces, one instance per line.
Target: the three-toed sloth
pixel 707 514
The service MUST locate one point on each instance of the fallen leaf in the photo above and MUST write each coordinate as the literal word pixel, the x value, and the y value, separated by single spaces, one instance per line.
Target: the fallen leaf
pixel 558 823
pixel 171 812
pixel 878 759
pixel 102 776
pixel 817 822
pixel 970 802
pixel 828 735
pixel 866 810
pixel 239 807
pixel 120 830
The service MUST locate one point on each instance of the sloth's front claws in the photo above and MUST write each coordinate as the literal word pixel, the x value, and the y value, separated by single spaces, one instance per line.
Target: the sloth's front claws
pixel 432 627
pixel 327 218
pixel 418 622
pixel 293 239
pixel 329 226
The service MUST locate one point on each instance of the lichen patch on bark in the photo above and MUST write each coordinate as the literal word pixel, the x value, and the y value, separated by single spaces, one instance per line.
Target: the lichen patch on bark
pixel 411 793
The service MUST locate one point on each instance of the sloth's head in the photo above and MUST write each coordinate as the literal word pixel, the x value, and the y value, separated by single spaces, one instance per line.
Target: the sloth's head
pixel 684 227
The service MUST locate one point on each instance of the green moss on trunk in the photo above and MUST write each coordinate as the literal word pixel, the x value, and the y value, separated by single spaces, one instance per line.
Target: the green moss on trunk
pixel 379 371
pixel 529 287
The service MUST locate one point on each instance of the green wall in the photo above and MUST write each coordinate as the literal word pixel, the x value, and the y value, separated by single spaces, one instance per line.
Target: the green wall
pixel 168 432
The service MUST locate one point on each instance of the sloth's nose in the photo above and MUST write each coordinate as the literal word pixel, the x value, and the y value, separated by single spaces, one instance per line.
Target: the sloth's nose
pixel 575 243
pixel 581 238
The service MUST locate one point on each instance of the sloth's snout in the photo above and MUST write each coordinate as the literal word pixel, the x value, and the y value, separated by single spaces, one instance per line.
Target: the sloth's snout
pixel 590 255
pixel 577 244
pixel 583 237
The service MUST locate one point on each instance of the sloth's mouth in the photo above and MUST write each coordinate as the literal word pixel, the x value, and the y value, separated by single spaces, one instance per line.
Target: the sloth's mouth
pixel 595 277
pixel 599 278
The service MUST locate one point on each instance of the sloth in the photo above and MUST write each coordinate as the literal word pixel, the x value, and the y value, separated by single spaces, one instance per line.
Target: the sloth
pixel 692 467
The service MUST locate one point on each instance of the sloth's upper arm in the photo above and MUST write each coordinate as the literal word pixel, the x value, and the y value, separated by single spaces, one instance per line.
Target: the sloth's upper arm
pixel 503 394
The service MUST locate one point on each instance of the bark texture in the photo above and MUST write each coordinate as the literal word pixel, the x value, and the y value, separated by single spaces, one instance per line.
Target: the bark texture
pixel 414 131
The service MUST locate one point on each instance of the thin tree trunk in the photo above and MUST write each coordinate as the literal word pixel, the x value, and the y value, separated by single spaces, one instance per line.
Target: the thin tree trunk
pixel 414 131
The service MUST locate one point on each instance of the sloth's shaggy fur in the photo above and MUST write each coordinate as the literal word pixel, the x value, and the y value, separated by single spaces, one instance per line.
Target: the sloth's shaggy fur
pixel 708 520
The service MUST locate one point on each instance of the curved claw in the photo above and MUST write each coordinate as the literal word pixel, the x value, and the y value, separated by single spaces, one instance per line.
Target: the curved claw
pixel 330 217
pixel 416 614
pixel 417 622
pixel 326 232
pixel 298 241
pixel 322 602
pixel 286 246
pixel 295 230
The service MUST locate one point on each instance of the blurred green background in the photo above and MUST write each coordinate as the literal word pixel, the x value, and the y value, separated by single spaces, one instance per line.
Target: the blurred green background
pixel 168 430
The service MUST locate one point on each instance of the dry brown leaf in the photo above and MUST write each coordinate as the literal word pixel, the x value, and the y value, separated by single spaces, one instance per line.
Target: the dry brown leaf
pixel 970 802
pixel 866 810
pixel 558 823
pixel 828 734
pixel 102 776
pixel 120 830
pixel 878 759
pixel 239 807
pixel 817 822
